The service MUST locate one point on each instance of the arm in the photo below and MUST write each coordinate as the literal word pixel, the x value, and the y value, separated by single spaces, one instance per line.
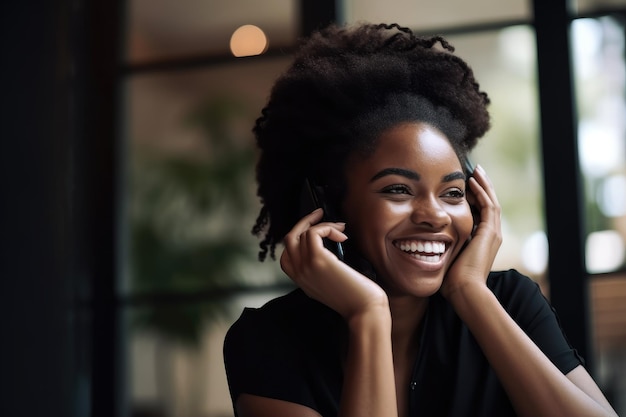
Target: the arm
pixel 535 386
pixel 369 382
pixel 368 387
pixel 255 406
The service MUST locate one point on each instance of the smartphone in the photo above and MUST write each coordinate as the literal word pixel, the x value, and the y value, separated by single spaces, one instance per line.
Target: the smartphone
pixel 311 198
pixel 469 169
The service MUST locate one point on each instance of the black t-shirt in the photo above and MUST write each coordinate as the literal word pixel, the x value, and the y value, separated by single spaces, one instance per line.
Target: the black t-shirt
pixel 292 348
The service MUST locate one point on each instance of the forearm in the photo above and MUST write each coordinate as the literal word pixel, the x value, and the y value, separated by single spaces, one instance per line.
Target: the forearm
pixel 369 382
pixel 534 385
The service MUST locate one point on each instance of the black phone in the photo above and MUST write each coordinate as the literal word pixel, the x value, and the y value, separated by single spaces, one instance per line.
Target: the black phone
pixel 311 198
pixel 469 170
pixel 469 167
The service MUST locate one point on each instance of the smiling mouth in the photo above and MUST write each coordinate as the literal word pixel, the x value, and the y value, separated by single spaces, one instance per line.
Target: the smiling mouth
pixel 423 250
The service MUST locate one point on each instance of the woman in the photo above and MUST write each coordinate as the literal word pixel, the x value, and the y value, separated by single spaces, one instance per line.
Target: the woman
pixel 409 319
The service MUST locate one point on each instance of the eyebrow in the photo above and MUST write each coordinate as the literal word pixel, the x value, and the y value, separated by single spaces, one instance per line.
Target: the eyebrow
pixel 412 175
pixel 457 175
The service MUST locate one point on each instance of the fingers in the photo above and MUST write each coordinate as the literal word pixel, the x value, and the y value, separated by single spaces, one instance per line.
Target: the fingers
pixel 292 239
pixel 486 199
pixel 305 228
pixel 307 221
pixel 476 259
pixel 304 245
pixel 310 243
pixel 490 210
pixel 486 189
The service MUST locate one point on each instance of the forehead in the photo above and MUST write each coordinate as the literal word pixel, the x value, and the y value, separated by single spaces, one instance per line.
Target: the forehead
pixel 407 144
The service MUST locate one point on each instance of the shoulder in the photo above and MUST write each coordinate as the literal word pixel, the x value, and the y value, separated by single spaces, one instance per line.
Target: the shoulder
pixel 255 325
pixel 283 315
pixel 282 328
pixel 271 351
pixel 510 285
pixel 508 278
pixel 257 347
pixel 520 296
pixel 526 304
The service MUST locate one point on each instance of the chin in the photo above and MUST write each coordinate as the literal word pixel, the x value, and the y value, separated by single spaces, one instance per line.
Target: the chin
pixel 420 287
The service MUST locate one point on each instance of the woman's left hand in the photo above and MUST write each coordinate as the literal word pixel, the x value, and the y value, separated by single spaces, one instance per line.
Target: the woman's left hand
pixel 473 264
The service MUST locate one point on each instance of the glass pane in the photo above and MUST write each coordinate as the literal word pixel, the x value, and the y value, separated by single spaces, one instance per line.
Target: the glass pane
pixel 608 296
pixel 510 150
pixel 161 29
pixel 425 15
pixel 588 6
pixel 600 82
pixel 600 74
pixel 174 357
pixel 190 189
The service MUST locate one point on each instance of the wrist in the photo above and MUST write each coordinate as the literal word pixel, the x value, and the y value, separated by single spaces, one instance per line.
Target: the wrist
pixel 376 317
pixel 468 294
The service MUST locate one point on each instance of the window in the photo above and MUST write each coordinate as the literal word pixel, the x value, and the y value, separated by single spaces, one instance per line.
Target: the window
pixel 598 45
pixel 189 105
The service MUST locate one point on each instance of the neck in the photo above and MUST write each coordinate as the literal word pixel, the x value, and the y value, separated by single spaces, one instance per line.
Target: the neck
pixel 407 314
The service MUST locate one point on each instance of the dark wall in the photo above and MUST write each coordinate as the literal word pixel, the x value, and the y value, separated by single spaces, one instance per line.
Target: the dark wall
pixel 36 366
pixel 58 181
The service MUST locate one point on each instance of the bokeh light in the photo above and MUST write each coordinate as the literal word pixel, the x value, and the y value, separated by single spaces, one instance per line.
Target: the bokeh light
pixel 611 198
pixel 248 40
pixel 535 252
pixel 605 251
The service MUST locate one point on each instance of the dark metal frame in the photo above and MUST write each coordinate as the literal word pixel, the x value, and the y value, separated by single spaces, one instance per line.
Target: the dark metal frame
pixel 563 195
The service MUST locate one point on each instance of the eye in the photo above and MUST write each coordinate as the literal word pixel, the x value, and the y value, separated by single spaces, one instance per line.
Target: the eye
pixel 396 189
pixel 454 193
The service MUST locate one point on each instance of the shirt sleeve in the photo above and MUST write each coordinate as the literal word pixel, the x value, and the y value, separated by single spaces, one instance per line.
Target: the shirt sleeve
pixel 524 301
pixel 260 359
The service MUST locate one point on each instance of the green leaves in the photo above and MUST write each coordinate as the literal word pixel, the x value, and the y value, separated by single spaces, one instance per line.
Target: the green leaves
pixel 190 217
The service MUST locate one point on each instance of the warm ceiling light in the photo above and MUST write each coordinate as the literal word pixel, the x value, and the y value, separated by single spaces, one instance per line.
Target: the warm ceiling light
pixel 248 40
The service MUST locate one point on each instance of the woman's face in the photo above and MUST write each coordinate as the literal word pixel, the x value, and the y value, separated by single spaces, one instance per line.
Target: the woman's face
pixel 406 209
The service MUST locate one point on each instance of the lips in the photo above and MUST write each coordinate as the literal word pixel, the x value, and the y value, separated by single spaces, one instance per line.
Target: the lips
pixel 423 250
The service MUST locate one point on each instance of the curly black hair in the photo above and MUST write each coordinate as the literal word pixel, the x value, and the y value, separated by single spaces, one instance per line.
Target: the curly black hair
pixel 346 86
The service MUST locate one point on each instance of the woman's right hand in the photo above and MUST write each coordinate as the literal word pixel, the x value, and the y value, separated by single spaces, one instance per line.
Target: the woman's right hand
pixel 321 275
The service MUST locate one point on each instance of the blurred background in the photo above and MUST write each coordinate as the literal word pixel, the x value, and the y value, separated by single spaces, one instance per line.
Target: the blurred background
pixel 129 195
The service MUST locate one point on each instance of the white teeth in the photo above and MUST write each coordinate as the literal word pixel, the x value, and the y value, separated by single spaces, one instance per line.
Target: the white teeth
pixel 419 247
pixel 434 258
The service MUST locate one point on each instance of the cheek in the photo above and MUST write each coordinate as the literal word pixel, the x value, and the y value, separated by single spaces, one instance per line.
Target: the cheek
pixel 364 226
pixel 376 218
pixel 368 225
pixel 464 222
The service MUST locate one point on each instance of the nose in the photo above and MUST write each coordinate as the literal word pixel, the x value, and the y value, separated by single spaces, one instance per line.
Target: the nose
pixel 429 211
